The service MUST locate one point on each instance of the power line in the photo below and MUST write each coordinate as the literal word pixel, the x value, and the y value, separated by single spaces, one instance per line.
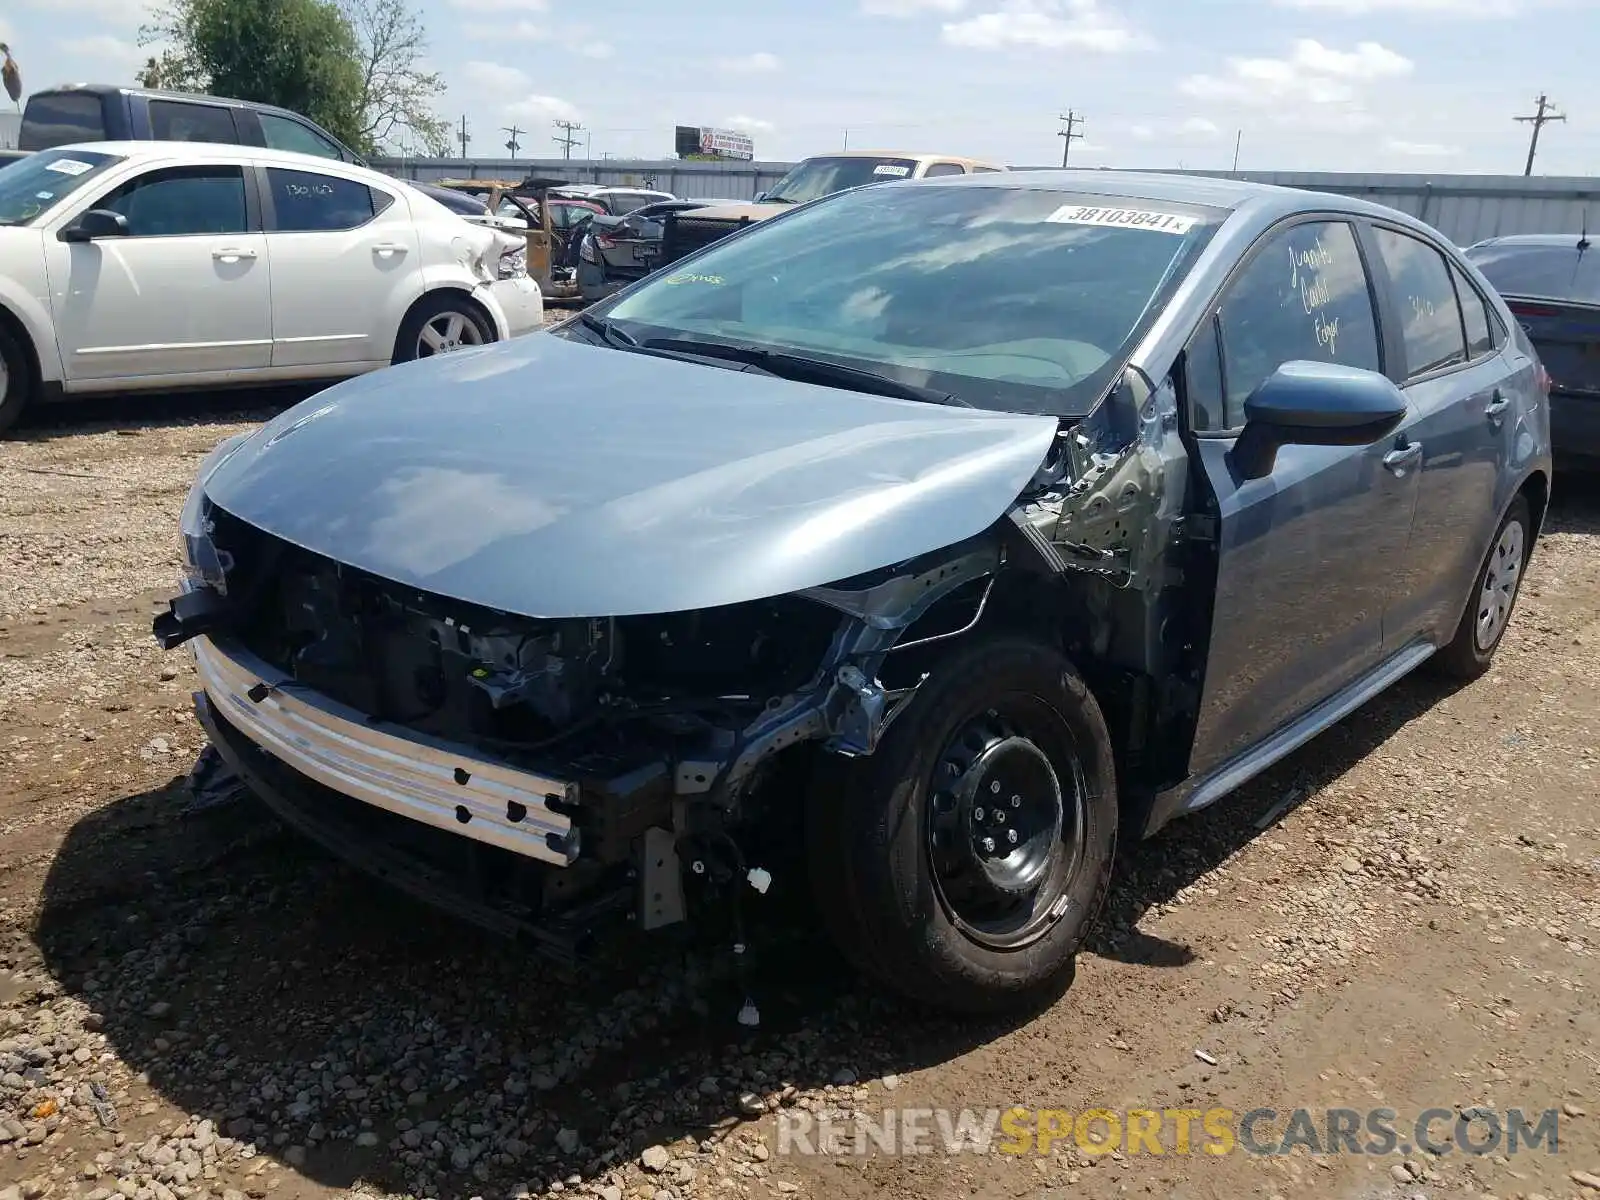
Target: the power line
pixel 512 142
pixel 1070 133
pixel 566 141
pixel 1539 119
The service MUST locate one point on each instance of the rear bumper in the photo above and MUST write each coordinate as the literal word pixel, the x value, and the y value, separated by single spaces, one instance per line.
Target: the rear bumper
pixel 1575 425
pixel 520 303
pixel 434 783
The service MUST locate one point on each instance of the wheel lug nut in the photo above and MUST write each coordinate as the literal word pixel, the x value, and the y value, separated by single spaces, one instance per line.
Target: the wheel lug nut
pixel 999 817
pixel 1016 802
pixel 994 786
pixel 977 814
pixel 988 845
pixel 1011 836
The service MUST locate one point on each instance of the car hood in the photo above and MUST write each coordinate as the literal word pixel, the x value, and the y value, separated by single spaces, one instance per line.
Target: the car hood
pixel 555 478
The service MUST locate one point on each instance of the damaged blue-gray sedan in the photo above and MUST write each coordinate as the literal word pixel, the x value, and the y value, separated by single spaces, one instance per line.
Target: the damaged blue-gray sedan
pixel 943 528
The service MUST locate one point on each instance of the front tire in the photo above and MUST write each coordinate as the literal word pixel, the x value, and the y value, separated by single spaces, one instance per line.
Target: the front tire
pixel 441 324
pixel 1494 596
pixel 16 379
pixel 965 861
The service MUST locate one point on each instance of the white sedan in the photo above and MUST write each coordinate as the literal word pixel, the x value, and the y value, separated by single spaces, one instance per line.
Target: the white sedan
pixel 161 265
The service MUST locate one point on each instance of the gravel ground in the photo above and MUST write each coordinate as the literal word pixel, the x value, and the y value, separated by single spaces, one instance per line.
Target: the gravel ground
pixel 196 1006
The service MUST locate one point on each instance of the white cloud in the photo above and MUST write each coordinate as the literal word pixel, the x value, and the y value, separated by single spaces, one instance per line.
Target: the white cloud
pixel 594 49
pixel 1142 133
pixel 1443 8
pixel 123 14
pixel 749 124
pixel 540 110
pixel 909 8
pixel 495 80
pixel 506 31
pixel 1200 127
pixel 1420 149
pixel 1045 24
pixel 1311 74
pixel 123 55
pixel 750 64
pixel 500 6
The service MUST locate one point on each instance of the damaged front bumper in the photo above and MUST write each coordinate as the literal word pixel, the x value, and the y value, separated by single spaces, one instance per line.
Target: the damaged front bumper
pixel 448 787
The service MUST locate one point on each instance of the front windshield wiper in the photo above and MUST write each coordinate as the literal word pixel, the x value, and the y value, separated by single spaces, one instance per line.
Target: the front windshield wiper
pixel 608 330
pixel 804 369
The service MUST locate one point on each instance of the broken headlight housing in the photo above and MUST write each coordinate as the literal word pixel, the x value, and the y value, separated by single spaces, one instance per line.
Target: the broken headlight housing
pixel 201 563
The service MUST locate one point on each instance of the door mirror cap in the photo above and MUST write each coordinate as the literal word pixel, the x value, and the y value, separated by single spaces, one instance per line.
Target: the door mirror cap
pixel 1315 404
pixel 96 223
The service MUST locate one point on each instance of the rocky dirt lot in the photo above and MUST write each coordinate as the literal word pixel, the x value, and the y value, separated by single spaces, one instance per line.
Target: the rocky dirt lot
pixel 195 1005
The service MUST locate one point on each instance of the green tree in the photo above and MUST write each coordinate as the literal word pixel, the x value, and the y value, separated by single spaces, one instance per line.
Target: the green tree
pixel 397 91
pixel 299 54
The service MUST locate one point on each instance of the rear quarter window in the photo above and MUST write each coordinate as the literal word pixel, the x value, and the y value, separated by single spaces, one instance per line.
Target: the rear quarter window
pixel 61 118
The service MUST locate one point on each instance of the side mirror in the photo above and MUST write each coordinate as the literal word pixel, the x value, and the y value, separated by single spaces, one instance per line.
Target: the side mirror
pixel 1314 404
pixel 96 223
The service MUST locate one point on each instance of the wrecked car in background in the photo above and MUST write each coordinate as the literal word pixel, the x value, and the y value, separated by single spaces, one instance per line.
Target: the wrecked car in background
pixel 810 179
pixel 957 524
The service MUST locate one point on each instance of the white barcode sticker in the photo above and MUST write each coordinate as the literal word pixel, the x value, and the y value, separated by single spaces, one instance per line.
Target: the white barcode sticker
pixel 891 169
pixel 70 166
pixel 1123 218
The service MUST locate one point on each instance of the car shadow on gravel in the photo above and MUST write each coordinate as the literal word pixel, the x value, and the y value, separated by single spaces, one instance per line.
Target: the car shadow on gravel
pixel 311 1011
pixel 135 412
pixel 317 1014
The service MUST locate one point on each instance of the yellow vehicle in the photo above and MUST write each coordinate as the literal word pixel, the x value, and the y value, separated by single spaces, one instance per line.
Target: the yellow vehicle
pixel 527 206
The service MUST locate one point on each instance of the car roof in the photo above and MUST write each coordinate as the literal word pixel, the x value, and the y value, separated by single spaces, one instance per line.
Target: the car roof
pixel 918 155
pixel 117 89
pixel 1541 241
pixel 1266 199
pixel 198 151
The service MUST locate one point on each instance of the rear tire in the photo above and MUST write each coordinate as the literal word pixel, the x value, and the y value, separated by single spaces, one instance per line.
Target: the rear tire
pixel 17 386
pixel 440 324
pixel 1005 745
pixel 1494 597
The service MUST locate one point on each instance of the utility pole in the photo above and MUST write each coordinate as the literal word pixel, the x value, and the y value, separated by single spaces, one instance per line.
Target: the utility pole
pixel 1070 134
pixel 1237 142
pixel 566 141
pixel 1545 114
pixel 463 137
pixel 511 142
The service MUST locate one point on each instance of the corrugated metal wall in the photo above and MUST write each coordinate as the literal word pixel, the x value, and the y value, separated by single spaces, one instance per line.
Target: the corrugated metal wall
pixel 1465 208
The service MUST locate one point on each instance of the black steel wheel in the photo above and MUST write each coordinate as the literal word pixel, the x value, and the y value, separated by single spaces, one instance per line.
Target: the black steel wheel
pixel 964 862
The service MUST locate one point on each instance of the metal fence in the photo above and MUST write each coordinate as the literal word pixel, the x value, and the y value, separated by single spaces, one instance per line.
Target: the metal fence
pixel 1465 208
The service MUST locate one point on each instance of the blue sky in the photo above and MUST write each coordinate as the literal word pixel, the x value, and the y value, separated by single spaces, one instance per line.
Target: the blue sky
pixel 1375 85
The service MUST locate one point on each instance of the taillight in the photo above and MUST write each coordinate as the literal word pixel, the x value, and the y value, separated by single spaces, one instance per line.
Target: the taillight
pixel 1523 309
pixel 604 242
pixel 1541 377
pixel 514 263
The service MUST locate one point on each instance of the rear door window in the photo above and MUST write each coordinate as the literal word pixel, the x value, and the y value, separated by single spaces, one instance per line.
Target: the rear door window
pixel 1425 300
pixel 61 118
pixel 181 121
pixel 311 202
pixel 943 168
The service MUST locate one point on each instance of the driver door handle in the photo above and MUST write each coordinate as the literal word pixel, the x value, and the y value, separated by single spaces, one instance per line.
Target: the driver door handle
pixel 1402 459
pixel 232 254
pixel 388 248
pixel 1497 407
